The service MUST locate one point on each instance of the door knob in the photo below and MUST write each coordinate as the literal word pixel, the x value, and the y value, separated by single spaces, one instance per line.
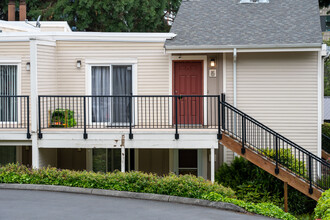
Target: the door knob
pixel 176 91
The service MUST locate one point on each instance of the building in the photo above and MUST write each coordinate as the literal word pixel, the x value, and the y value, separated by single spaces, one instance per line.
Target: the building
pixel 151 101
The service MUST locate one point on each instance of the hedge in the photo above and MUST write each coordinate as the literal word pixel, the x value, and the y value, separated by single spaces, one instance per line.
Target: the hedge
pixel 322 210
pixel 183 186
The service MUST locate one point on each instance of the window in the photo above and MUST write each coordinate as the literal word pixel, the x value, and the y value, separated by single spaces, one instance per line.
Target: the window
pixel 114 80
pixel 109 160
pixel 188 162
pixel 8 87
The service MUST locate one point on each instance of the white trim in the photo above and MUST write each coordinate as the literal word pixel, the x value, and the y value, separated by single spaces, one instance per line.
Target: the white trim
pixel 235 77
pixel 194 57
pixel 111 61
pixel 88 36
pixel 224 73
pixel 319 102
pixel 10 61
pixel 254 50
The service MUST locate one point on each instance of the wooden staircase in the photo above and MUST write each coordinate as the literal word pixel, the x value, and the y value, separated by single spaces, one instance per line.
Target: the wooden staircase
pixel 272 152
pixel 264 163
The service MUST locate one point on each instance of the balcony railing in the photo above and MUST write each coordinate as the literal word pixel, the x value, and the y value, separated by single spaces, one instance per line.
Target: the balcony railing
pixel 15 113
pixel 129 112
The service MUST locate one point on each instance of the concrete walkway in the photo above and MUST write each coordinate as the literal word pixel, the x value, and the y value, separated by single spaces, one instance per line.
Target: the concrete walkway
pixel 25 204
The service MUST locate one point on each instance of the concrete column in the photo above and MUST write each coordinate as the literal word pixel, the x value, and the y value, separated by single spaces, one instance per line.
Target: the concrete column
pixel 212 164
pixel 34 102
pixel 123 159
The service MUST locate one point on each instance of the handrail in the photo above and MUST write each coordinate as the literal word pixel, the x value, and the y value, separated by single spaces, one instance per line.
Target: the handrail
pixel 263 139
pixel 272 131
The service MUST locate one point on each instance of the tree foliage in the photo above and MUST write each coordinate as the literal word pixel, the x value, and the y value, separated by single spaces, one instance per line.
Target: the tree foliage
pixel 105 15
pixel 327 73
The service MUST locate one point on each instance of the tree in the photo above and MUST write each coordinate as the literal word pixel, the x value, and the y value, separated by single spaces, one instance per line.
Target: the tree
pixel 105 15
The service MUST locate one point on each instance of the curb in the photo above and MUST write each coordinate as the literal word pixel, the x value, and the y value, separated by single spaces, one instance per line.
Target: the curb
pixel 124 194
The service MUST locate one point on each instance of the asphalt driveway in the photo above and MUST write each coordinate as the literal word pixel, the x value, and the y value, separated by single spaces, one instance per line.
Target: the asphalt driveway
pixel 24 204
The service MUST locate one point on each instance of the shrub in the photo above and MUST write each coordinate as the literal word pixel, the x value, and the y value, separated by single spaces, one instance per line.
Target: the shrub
pixel 253 184
pixel 266 209
pixel 185 186
pixel 322 210
pixel 326 129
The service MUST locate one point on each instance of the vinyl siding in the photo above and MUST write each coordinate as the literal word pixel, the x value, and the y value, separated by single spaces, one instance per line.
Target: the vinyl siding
pixel 152 64
pixel 18 50
pixel 279 90
pixel 47 70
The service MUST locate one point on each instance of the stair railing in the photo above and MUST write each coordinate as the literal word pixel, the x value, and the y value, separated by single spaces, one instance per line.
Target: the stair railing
pixel 268 143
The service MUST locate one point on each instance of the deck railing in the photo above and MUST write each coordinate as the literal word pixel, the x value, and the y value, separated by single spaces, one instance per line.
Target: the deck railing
pixel 268 143
pixel 15 113
pixel 129 112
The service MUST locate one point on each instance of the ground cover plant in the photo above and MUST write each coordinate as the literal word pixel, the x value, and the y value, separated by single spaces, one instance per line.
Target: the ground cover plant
pixel 184 186
pixel 252 184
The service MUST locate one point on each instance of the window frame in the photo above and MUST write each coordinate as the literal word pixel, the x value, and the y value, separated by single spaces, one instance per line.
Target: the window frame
pixel 110 64
pixel 16 63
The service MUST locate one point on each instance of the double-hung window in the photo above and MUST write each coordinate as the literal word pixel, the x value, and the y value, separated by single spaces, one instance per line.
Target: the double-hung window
pixel 8 89
pixel 110 87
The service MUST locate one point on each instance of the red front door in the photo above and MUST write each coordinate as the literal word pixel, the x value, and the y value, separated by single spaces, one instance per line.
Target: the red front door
pixel 188 80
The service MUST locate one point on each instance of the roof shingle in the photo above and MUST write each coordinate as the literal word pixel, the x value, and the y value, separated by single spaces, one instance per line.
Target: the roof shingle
pixel 217 23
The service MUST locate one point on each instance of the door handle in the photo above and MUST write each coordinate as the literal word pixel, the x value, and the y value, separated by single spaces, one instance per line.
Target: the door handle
pixel 176 91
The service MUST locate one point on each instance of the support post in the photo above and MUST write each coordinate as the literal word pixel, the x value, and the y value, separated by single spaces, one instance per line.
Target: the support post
pixel 39 118
pixel 85 131
pixel 286 197
pixel 243 134
pixel 35 152
pixel 277 171
pixel 223 112
pixel 176 118
pixel 123 153
pixel 212 164
pixel 219 121
pixel 130 117
pixel 310 174
pixel 28 134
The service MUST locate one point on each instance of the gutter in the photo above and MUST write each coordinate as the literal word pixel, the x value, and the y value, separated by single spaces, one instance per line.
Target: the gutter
pixel 250 46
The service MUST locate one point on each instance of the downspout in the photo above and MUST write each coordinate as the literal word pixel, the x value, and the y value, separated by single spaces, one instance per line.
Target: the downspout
pixel 234 76
pixel 235 87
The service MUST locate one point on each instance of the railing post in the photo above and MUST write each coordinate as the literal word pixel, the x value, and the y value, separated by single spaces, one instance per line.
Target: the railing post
pixel 130 117
pixel 243 134
pixel 310 174
pixel 85 132
pixel 176 118
pixel 219 121
pixel 223 112
pixel 39 118
pixel 277 171
pixel 28 134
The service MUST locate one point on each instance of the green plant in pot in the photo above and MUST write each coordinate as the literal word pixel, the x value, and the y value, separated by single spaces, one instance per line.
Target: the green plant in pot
pixel 63 118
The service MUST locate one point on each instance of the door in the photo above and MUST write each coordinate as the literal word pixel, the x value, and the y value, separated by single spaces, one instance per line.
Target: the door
pixel 188 80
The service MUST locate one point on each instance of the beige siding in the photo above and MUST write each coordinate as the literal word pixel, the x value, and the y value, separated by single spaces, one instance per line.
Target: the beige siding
pixel 18 50
pixel 47 73
pixel 152 66
pixel 279 90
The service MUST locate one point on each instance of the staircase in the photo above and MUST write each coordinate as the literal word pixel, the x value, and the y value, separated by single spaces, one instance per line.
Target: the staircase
pixel 272 152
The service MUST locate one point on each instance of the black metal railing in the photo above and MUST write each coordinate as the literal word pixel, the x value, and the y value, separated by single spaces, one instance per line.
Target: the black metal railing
pixel 15 113
pixel 129 112
pixel 326 143
pixel 268 143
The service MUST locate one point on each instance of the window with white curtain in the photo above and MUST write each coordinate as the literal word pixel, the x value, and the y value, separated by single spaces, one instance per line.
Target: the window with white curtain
pixel 8 88
pixel 114 80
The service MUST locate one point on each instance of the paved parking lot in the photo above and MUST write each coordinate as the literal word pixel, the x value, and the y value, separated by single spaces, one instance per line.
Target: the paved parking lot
pixel 24 204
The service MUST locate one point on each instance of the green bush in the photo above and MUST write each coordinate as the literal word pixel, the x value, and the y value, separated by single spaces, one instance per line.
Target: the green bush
pixel 252 184
pixel 326 129
pixel 266 209
pixel 184 186
pixel 322 210
pixel 325 141
pixel 63 118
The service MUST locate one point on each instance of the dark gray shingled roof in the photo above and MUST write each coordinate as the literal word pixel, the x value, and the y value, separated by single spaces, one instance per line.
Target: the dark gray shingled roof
pixel 224 23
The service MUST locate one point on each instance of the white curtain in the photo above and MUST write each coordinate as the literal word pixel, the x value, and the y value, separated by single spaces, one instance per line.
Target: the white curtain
pixel 100 87
pixel 8 87
pixel 121 86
